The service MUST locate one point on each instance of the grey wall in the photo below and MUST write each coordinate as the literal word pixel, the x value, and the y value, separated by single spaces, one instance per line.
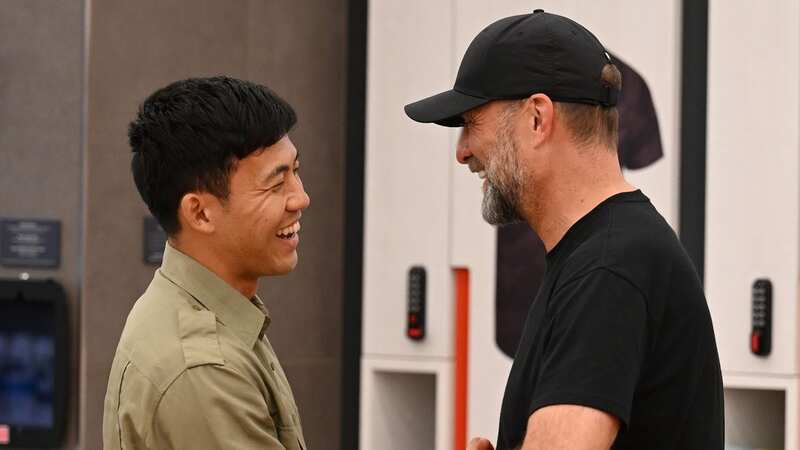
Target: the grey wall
pixel 298 49
pixel 46 171
pixel 41 54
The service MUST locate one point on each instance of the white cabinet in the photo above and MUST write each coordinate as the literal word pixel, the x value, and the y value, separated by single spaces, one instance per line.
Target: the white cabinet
pixel 752 206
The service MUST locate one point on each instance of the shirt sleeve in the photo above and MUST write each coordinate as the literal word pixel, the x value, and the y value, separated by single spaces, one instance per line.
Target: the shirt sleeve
pixel 213 407
pixel 595 348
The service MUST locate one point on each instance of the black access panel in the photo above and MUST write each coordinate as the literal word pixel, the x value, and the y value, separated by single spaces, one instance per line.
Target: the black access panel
pixel 33 364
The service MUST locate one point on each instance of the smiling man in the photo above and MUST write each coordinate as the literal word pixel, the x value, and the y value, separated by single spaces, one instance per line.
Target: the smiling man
pixel 194 368
pixel 618 349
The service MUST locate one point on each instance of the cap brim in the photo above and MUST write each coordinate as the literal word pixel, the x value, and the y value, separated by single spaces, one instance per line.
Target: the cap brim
pixel 444 109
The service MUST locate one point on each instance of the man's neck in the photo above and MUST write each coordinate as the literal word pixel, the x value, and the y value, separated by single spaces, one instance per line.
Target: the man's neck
pixel 553 209
pixel 247 286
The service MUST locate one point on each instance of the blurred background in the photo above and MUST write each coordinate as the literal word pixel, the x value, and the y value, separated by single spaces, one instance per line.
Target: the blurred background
pixel 410 305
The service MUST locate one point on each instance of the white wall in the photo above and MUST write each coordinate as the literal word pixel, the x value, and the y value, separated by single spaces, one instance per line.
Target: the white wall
pixel 407 182
pixel 752 178
pixel 752 206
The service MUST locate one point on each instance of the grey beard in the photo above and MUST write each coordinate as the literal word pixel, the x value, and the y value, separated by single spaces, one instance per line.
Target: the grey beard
pixel 497 209
pixel 502 201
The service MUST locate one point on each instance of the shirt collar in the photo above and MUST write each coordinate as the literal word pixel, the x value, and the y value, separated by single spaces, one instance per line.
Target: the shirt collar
pixel 232 309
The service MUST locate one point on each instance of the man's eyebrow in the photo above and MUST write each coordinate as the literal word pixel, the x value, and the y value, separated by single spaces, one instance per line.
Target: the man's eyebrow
pixel 281 169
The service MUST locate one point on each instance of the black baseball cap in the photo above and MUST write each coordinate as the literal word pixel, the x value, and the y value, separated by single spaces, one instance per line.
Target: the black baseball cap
pixel 519 56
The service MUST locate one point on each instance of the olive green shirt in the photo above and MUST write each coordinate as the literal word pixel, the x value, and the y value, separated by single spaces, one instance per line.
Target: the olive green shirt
pixel 194 370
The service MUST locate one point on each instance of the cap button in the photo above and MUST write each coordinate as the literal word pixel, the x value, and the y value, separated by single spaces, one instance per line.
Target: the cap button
pixel 537 11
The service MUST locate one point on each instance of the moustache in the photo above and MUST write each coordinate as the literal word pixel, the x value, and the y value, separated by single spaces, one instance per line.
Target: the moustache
pixel 475 165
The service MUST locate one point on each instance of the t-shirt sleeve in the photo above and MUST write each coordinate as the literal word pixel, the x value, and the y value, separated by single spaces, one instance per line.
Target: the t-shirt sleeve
pixel 594 350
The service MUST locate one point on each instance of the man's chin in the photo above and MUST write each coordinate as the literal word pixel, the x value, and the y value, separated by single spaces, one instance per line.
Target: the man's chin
pixel 493 219
pixel 496 210
pixel 284 266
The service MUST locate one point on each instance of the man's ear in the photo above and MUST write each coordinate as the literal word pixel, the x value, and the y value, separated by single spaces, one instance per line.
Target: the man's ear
pixel 540 113
pixel 195 211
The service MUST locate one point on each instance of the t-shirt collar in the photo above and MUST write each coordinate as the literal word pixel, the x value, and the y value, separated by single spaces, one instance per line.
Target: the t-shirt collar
pixel 575 233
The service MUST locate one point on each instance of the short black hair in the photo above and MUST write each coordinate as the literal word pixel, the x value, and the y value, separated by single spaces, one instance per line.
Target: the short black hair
pixel 189 135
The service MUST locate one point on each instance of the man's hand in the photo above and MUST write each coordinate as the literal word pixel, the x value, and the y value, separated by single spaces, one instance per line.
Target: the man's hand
pixel 480 444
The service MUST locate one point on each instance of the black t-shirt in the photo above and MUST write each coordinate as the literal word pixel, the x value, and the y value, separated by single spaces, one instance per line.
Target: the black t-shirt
pixel 621 324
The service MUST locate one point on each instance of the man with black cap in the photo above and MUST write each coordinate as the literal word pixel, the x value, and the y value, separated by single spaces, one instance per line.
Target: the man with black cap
pixel 618 349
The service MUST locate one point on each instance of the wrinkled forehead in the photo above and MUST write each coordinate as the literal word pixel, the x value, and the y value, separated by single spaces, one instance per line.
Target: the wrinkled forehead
pixel 479 113
pixel 489 111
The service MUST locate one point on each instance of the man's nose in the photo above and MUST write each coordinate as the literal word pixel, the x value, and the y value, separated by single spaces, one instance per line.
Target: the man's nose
pixel 463 153
pixel 299 200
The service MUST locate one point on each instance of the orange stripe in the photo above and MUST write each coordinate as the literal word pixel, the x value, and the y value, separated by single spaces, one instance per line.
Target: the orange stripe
pixel 462 349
